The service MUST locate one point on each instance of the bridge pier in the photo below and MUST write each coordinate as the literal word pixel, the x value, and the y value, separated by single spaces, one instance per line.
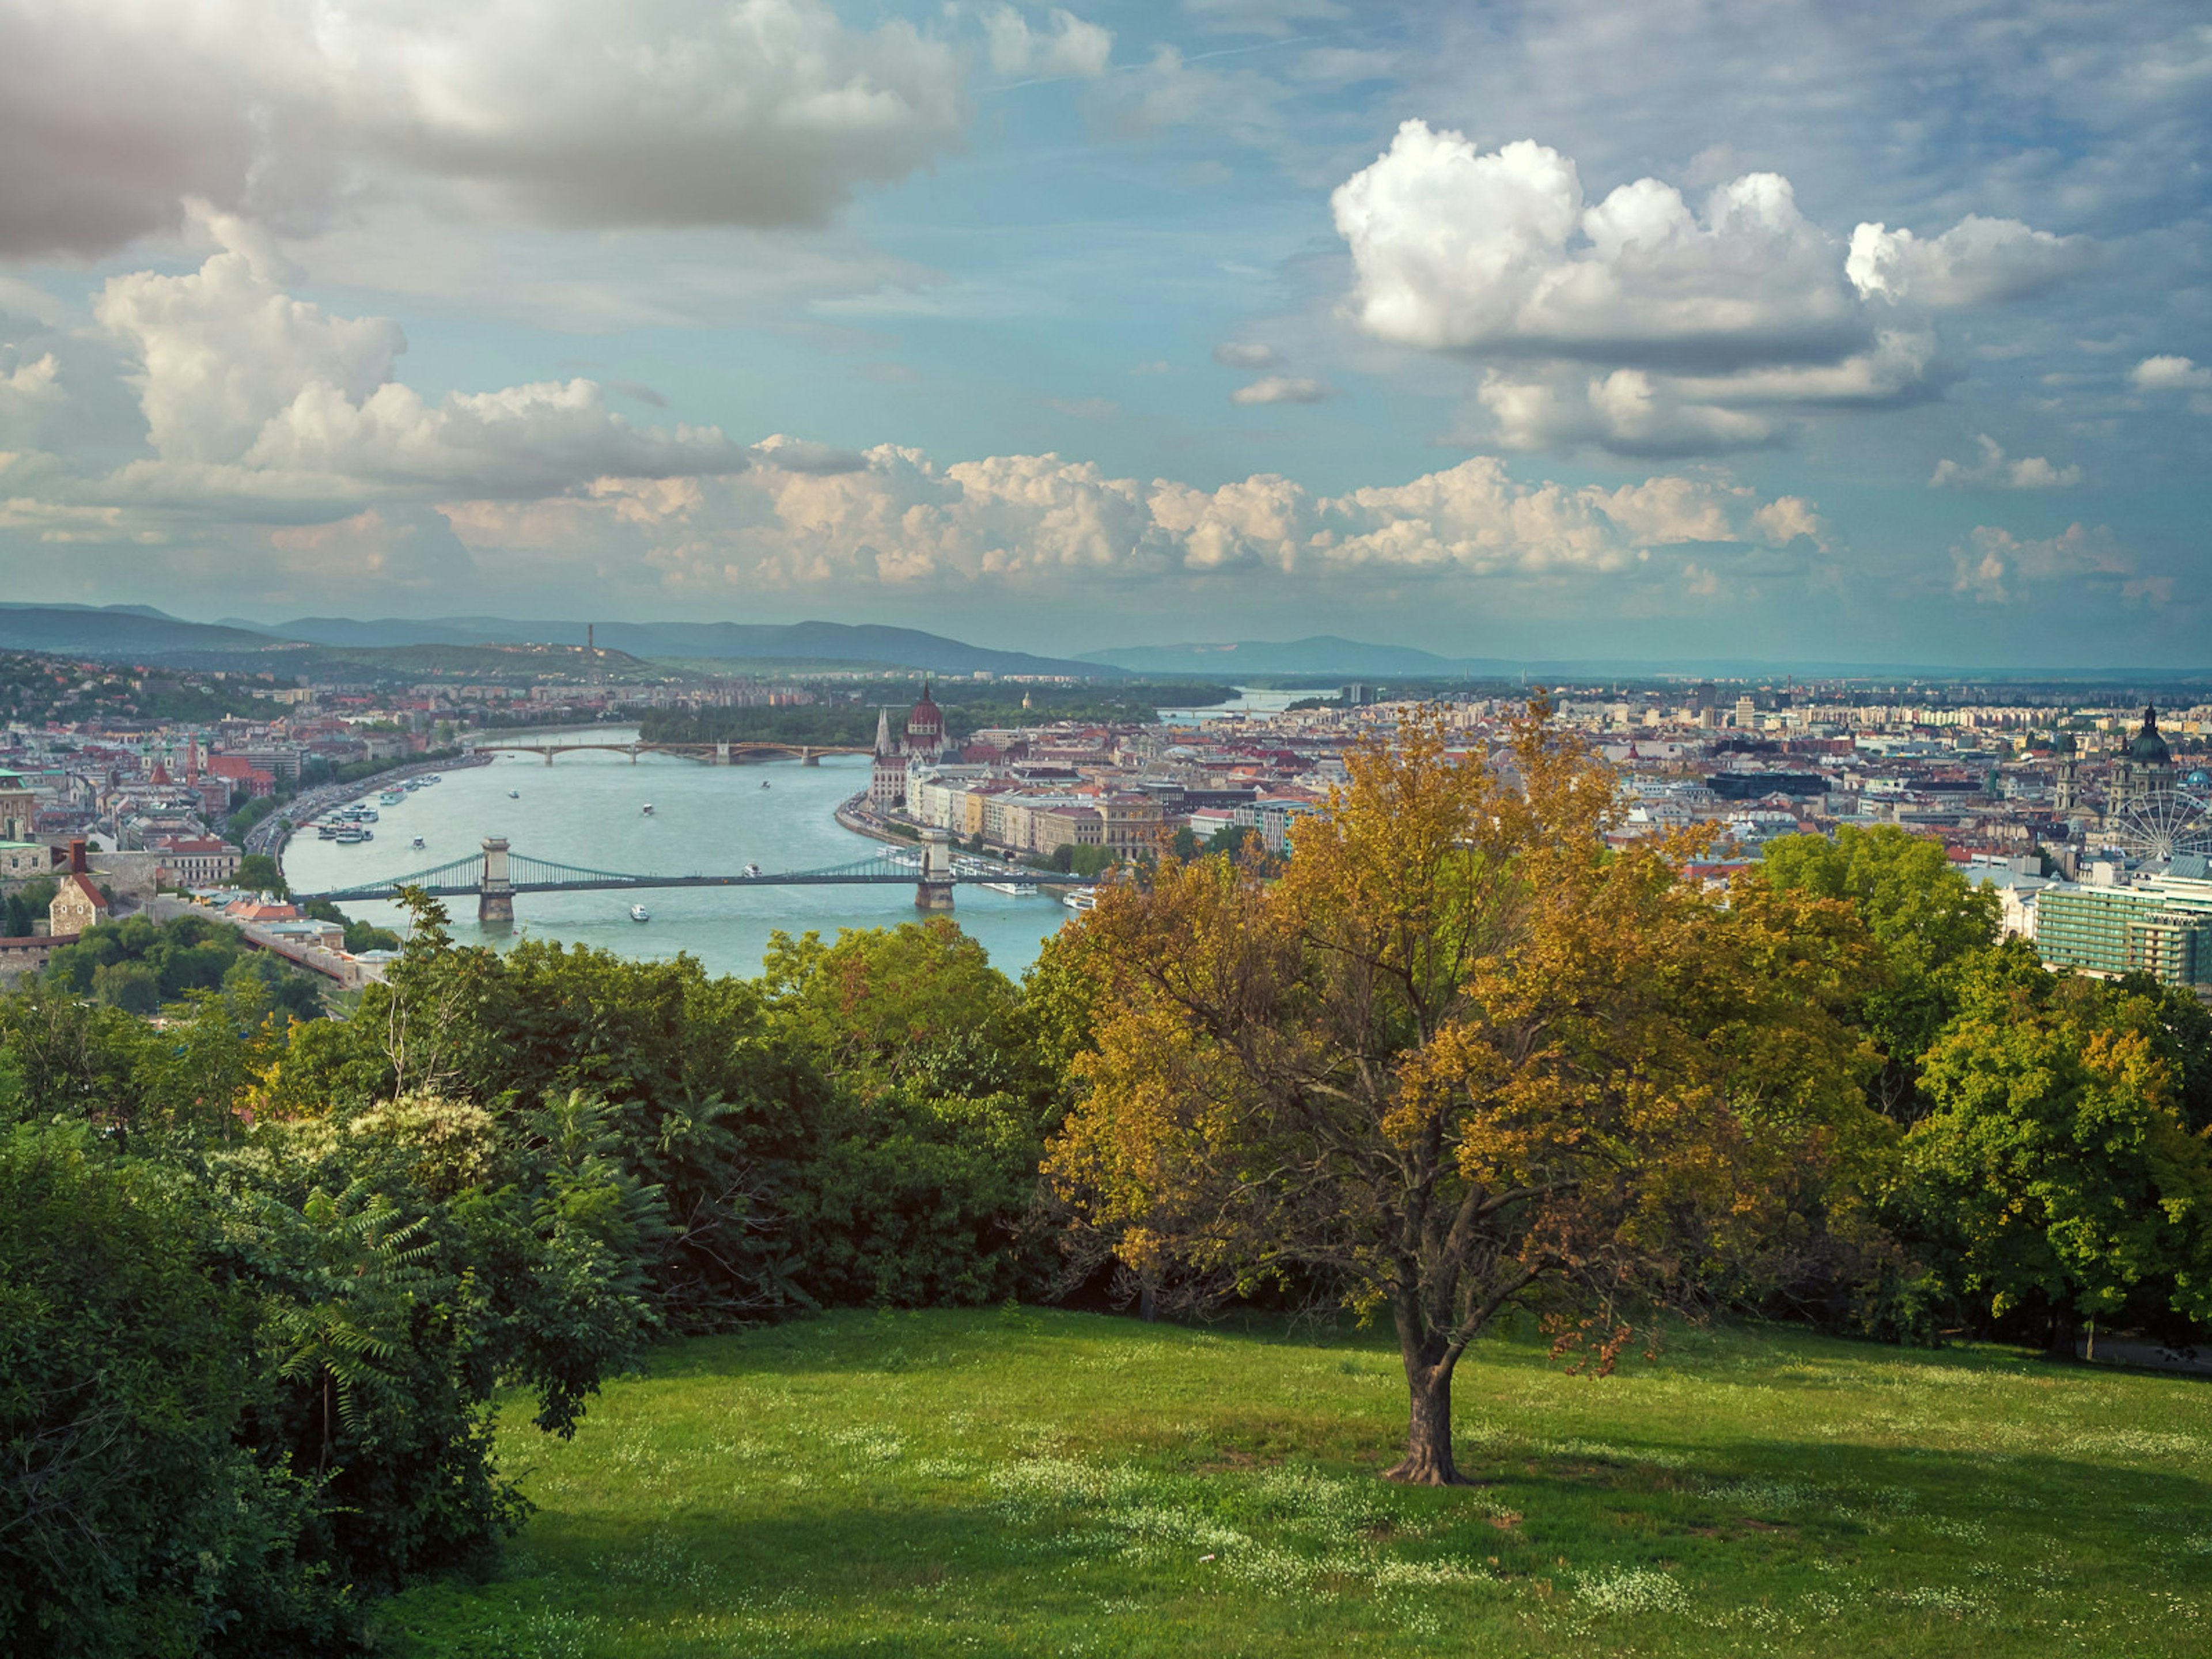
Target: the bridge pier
pixel 495 890
pixel 808 757
pixel 933 891
pixel 548 755
pixel 722 753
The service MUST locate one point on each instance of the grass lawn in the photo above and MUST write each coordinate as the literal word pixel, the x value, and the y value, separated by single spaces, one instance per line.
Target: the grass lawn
pixel 1053 1483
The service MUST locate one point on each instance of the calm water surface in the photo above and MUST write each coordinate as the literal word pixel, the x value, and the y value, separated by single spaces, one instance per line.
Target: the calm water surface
pixel 585 810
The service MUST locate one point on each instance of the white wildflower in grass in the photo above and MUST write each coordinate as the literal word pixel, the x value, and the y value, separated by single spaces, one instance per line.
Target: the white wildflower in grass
pixel 1630 1590
pixel 1966 1532
pixel 1756 1493
pixel 944 1468
pixel 1945 1598
pixel 2149 1444
pixel 2199 1543
pixel 873 1444
pixel 1431 1574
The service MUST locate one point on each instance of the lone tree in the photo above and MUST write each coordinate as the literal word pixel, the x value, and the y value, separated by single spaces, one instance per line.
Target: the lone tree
pixel 1460 1059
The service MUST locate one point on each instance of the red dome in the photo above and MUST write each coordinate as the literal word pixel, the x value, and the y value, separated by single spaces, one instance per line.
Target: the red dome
pixel 925 719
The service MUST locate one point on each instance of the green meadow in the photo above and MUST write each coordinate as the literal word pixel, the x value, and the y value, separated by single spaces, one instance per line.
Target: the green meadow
pixel 1039 1483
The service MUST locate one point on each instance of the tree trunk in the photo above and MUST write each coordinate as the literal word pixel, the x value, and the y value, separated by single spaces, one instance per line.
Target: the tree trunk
pixel 1428 1428
pixel 1148 1299
pixel 2064 1329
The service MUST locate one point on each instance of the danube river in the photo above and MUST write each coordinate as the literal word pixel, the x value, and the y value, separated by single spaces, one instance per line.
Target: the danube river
pixel 586 809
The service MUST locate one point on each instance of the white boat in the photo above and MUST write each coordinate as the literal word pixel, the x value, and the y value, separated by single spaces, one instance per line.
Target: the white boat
pixel 752 870
pixel 1082 901
pixel 418 843
pixel 514 794
pixel 646 809
pixel 391 798
pixel 639 913
pixel 367 815
pixel 1012 888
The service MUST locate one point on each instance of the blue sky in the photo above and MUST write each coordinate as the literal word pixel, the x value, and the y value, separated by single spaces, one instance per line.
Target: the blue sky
pixel 1782 331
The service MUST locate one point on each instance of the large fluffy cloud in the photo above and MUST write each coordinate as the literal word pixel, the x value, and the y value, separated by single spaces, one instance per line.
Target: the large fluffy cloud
pixel 561 111
pixel 1456 249
pixel 248 391
pixel 1641 325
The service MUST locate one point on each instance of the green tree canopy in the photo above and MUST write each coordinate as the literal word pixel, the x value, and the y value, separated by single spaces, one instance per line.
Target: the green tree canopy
pixel 2056 1151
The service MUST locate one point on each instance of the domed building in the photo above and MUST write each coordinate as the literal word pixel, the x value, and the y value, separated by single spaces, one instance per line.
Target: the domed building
pixel 2144 766
pixel 923 739
pixel 925 728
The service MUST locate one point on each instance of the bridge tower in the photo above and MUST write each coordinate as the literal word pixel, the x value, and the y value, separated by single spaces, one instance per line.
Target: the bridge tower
pixel 722 752
pixel 934 891
pixel 495 892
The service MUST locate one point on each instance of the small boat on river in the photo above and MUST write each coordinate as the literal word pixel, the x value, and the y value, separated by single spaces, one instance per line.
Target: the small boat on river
pixel 514 794
pixel 639 913
pixel 646 809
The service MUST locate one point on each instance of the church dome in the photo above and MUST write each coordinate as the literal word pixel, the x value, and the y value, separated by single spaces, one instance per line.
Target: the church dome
pixel 2147 748
pixel 925 720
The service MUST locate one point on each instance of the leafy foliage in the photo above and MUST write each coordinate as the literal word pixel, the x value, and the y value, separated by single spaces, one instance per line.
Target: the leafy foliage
pixel 1456 1060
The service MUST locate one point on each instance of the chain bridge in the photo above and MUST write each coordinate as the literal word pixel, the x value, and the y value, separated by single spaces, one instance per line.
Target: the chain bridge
pixel 497 873
pixel 729 752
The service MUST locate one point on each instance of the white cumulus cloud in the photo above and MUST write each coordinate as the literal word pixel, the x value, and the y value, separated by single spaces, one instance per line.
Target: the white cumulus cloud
pixel 2170 373
pixel 1283 389
pixel 248 391
pixel 1977 262
pixel 1994 470
pixel 1641 325
pixel 1457 249
pixel 1043 523
pixel 1066 45
pixel 587 113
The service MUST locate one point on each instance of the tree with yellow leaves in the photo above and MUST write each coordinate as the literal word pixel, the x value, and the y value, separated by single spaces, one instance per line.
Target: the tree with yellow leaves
pixel 1458 1058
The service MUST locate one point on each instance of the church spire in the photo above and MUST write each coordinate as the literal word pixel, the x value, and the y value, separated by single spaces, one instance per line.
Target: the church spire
pixel 882 730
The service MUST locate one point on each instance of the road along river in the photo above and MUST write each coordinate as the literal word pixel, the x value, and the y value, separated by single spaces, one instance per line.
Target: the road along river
pixel 589 809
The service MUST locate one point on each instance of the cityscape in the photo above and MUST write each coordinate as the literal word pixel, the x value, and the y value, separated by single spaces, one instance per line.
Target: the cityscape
pixel 2088 814
pixel 1110 828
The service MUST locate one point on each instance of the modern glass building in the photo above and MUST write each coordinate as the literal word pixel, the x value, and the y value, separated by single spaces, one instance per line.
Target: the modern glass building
pixel 2161 925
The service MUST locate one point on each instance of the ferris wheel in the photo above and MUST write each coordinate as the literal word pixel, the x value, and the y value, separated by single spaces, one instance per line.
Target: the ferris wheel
pixel 2161 822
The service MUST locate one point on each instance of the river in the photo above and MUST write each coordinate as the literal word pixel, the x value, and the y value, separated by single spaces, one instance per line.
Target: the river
pixel 584 808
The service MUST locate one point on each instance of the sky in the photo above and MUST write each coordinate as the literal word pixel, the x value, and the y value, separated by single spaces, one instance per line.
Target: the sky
pixel 1743 328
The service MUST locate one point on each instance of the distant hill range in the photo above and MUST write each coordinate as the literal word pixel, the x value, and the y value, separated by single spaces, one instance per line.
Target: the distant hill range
pixel 134 631
pixel 140 633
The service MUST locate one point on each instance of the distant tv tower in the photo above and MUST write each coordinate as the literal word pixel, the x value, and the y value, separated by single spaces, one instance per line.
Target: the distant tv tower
pixel 591 649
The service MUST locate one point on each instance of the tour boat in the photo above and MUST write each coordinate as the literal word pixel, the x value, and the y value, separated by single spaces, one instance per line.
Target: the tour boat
pixel 327 831
pixel 752 869
pixel 366 815
pixel 391 798
pixel 351 836
pixel 1013 889
pixel 1082 900
pixel 639 913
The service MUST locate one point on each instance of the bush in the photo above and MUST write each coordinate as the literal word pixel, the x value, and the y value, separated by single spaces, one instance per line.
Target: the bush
pixel 132 1520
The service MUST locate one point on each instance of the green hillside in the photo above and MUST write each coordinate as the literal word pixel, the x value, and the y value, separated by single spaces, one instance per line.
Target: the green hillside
pixel 1050 1483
